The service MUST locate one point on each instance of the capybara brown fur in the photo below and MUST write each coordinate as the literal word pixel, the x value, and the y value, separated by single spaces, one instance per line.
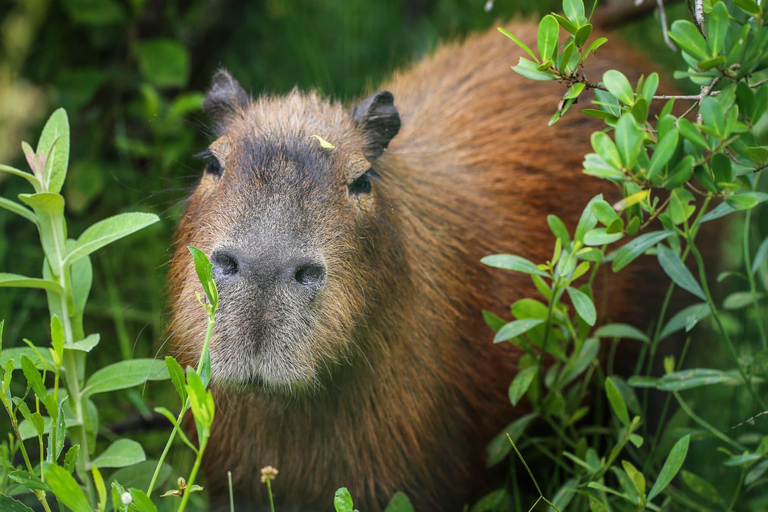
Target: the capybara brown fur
pixel 349 347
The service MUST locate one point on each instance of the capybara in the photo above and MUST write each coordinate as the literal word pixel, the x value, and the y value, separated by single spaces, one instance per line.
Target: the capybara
pixel 349 348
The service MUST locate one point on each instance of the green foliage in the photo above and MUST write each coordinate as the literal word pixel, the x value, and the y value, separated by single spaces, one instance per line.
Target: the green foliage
pixel 67 411
pixel 670 170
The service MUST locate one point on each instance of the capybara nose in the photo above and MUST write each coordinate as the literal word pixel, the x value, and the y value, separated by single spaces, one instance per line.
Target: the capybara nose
pixel 308 273
pixel 269 271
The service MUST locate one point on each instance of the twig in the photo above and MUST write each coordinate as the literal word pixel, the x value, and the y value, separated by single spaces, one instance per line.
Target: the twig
pixel 663 16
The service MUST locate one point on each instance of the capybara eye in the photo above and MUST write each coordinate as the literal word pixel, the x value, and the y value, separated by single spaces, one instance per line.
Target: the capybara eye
pixel 361 185
pixel 214 167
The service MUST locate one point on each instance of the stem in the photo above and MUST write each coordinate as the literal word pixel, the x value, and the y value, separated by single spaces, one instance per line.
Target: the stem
pixel 193 474
pixel 750 274
pixel 723 332
pixel 706 425
pixel 185 407
pixel 271 499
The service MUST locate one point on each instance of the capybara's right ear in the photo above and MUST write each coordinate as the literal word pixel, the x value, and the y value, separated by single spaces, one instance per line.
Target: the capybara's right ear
pixel 225 100
pixel 379 120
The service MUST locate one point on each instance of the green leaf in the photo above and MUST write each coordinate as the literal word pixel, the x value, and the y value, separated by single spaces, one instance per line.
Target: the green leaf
pixel 500 447
pixel 588 220
pixel 399 503
pixel 650 86
pixel 163 62
pixel 19 281
pixel 17 172
pixel 566 23
pixel 636 247
pixel 629 140
pixel 177 377
pixel 510 262
pixel 125 374
pixel 548 37
pixel 717 27
pixel 559 230
pixel 583 304
pixel 749 6
pixel 204 270
pixel 757 153
pixel 631 200
pixel 745 200
pixel 107 231
pixel 201 402
pixel 574 9
pixel 49 208
pixel 672 465
pixel 760 256
pixel 599 236
pixel 54 147
pixel 689 39
pixel 687 318
pixel 664 151
pixel 618 85
pixel 586 356
pixel 121 453
pixel 617 401
pixel 530 70
pixel 605 147
pixel 18 209
pixel 699 485
pixel 521 383
pixel 519 43
pixel 678 272
pixel 491 320
pixel 622 331
pixel 687 379
pixel 713 115
pixel 142 501
pixel 690 132
pixel 8 504
pixel 516 328
pixel 342 501
pixel 582 35
pixel 66 488
pixel 70 460
pixel 738 300
pixel 94 12
pixel 680 174
pixel 85 345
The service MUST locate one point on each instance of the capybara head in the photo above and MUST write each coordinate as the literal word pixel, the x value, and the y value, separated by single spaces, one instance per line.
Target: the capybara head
pixel 299 233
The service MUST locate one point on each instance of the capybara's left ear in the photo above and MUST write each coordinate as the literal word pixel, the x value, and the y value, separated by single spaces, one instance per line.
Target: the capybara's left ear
pixel 377 117
pixel 225 100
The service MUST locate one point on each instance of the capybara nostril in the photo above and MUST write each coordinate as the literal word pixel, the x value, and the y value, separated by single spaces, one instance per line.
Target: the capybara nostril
pixel 224 264
pixel 310 274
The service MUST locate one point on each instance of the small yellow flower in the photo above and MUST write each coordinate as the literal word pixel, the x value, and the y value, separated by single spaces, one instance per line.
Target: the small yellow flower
pixel 268 473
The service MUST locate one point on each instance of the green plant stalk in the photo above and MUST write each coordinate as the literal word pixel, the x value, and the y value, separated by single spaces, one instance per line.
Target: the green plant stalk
pixel 271 499
pixel 556 291
pixel 739 487
pixel 73 366
pixel 193 474
pixel 706 425
pixel 723 332
pixel 530 473
pixel 40 495
pixel 750 275
pixel 185 407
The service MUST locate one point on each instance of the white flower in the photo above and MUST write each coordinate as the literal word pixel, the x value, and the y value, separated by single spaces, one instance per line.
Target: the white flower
pixel 126 498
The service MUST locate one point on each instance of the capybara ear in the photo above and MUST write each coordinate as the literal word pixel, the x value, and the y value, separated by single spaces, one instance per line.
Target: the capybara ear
pixel 225 100
pixel 379 120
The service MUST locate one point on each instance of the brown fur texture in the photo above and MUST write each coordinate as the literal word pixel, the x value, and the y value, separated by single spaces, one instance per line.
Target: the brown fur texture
pixel 391 381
